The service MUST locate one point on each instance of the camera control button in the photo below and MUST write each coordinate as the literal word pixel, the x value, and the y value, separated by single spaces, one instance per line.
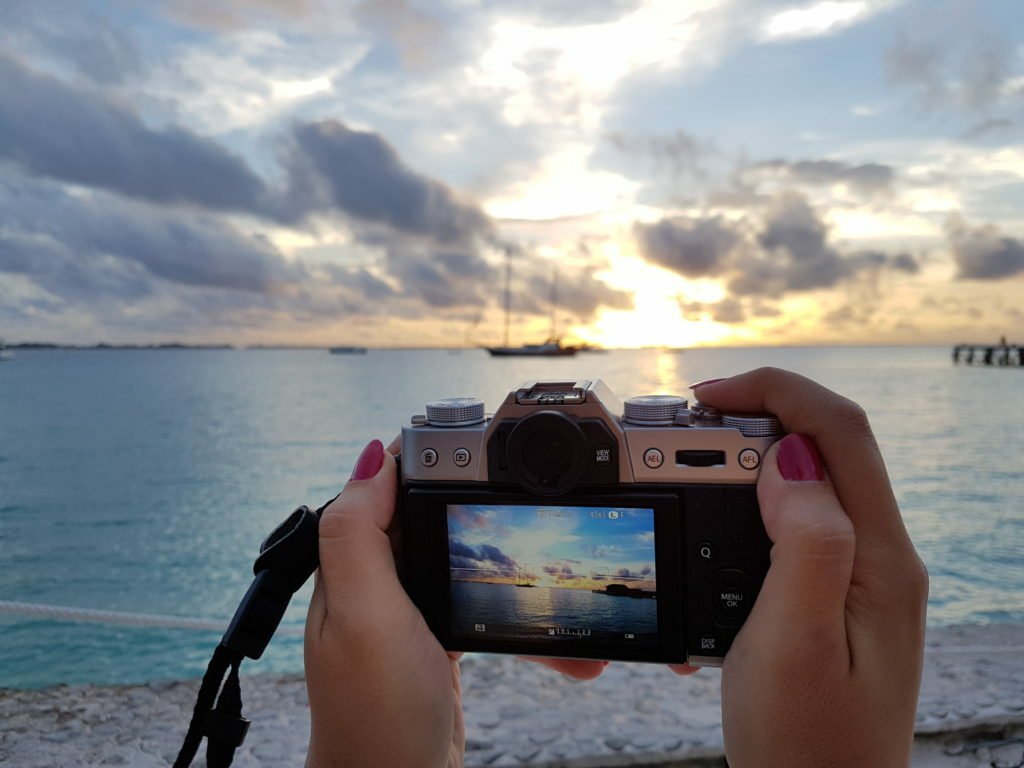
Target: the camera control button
pixel 461 457
pixel 732 600
pixel 428 457
pixel 709 643
pixel 749 458
pixel 653 458
pixel 706 550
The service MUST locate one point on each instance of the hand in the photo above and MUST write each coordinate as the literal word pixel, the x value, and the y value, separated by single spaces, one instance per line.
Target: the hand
pixel 382 690
pixel 827 667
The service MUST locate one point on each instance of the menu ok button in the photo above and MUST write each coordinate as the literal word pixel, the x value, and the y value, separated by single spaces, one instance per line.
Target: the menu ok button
pixel 732 600
pixel 728 595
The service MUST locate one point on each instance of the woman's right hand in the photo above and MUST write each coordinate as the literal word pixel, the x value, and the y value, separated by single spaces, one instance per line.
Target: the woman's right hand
pixel 827 667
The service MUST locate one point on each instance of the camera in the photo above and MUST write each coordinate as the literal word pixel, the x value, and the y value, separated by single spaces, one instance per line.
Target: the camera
pixel 572 524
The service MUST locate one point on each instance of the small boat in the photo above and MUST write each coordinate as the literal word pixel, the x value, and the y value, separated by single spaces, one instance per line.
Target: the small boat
pixel 551 348
pixel 348 350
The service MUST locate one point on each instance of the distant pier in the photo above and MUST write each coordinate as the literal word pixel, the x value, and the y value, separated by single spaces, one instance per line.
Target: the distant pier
pixel 1002 354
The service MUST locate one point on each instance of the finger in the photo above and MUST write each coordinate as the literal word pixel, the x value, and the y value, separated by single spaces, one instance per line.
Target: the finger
pixel 576 668
pixel 356 561
pixel 395 446
pixel 842 433
pixel 805 591
pixel 683 669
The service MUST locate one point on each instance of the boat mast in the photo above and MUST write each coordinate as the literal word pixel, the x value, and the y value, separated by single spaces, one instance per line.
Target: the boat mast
pixel 554 303
pixel 508 289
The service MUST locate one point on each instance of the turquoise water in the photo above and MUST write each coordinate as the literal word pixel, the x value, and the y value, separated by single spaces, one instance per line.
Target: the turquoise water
pixel 145 480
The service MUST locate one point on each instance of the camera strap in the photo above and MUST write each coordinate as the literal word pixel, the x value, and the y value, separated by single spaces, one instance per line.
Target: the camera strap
pixel 288 557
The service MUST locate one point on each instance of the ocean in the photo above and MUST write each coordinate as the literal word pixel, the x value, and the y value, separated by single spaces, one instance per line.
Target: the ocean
pixel 144 481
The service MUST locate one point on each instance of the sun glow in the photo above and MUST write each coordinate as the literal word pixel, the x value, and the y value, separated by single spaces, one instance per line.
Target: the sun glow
pixel 656 319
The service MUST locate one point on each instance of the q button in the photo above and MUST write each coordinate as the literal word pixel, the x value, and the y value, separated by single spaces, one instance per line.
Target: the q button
pixel 706 550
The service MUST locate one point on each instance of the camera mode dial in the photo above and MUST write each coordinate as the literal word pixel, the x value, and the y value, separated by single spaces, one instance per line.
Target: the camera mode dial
pixel 653 410
pixel 455 412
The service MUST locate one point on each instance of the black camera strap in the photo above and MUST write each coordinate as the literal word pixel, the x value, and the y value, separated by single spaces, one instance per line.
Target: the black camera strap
pixel 287 558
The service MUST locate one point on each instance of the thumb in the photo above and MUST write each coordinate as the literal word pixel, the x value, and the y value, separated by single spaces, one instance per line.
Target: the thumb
pixel 813 540
pixel 356 561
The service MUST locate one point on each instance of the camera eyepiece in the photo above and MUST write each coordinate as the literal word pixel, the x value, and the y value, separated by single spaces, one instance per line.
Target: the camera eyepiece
pixel 547 453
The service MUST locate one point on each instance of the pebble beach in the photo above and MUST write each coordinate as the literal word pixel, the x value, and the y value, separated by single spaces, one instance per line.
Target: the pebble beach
pixel 970 713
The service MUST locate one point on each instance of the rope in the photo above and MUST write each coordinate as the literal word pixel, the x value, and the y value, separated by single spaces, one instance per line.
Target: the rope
pixel 62 613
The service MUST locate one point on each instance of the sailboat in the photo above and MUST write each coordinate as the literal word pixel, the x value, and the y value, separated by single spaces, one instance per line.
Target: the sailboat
pixel 550 348
pixel 520 582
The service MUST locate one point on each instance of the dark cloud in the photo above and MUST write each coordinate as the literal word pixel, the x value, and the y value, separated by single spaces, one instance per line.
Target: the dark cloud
pixel 787 251
pixel 551 570
pixel 42 221
pixel 457 548
pixel 679 153
pixel 867 179
pixel 954 60
pixel 728 311
pixel 983 252
pixel 333 167
pixel 692 247
pixel 79 137
pixel 992 128
pixel 491 554
pixel 904 262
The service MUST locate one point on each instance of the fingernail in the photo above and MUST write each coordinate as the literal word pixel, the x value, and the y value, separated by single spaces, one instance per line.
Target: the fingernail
pixel 370 461
pixel 706 381
pixel 799 461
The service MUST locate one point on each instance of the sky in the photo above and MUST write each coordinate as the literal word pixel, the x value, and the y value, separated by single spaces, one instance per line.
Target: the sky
pixel 564 547
pixel 641 172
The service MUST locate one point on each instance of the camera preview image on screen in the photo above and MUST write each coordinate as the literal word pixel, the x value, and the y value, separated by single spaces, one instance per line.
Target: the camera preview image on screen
pixel 553 573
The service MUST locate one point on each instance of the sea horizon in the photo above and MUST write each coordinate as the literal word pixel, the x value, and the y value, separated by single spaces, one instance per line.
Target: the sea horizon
pixel 145 483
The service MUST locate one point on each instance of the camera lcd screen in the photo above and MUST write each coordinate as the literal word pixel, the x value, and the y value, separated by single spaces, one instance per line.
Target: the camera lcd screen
pixel 553 574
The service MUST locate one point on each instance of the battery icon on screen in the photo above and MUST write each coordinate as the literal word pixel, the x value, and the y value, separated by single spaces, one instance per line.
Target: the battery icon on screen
pixel 613 515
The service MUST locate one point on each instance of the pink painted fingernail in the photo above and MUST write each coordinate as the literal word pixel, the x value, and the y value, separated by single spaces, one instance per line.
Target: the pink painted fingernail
pixel 706 381
pixel 370 461
pixel 799 461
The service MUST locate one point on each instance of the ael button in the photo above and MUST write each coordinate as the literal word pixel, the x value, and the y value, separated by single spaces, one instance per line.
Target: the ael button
pixel 653 458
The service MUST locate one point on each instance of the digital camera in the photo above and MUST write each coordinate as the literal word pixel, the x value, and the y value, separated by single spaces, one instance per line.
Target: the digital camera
pixel 573 524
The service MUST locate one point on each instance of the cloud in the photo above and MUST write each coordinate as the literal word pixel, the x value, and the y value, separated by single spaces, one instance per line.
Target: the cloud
pixel 957 60
pixel 96 49
pixel 78 136
pixel 815 20
pixel 787 251
pixel 983 252
pixel 867 179
pixel 331 166
pixel 44 225
pixel 692 247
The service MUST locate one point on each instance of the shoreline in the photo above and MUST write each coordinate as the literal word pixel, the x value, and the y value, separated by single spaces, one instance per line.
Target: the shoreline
pixel 971 711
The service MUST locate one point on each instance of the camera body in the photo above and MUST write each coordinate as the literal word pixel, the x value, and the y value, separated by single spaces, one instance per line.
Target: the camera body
pixel 573 524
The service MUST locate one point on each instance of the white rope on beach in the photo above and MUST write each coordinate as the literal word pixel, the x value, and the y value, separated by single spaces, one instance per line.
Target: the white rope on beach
pixel 63 613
